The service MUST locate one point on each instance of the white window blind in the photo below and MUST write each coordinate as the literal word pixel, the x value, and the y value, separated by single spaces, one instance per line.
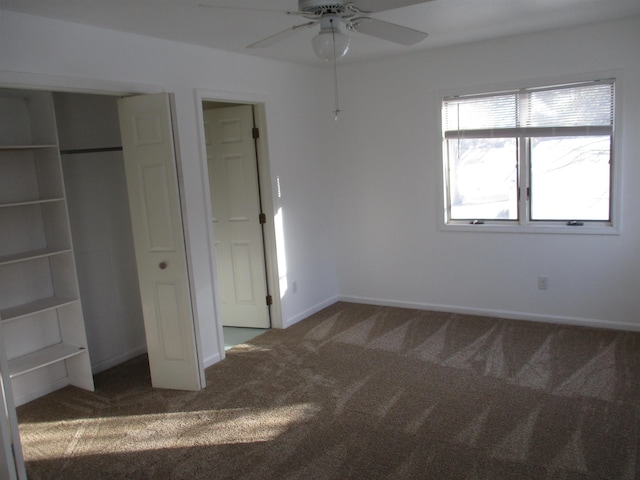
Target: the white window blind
pixel 563 110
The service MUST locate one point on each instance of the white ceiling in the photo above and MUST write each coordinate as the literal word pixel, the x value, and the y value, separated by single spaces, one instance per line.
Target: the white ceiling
pixel 448 22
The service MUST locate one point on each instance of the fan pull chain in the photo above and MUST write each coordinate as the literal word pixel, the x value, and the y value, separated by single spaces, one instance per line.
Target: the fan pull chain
pixel 335 72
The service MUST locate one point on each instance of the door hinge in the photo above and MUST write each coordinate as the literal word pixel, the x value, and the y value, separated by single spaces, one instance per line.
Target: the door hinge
pixel 263 219
pixel 255 131
pixel 269 300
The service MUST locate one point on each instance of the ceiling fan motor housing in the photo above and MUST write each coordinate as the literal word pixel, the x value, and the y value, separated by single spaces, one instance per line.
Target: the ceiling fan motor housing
pixel 321 7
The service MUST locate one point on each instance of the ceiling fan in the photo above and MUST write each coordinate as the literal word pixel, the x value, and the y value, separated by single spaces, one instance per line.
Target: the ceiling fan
pixel 331 43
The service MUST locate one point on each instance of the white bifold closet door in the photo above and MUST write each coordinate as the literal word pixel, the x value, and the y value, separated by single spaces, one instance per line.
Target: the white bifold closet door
pixel 154 200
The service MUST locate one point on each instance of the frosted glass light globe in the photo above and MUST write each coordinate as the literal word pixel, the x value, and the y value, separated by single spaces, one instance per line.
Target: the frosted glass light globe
pixel 323 44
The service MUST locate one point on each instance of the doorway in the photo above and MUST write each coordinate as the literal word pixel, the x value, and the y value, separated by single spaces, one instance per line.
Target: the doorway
pixel 237 219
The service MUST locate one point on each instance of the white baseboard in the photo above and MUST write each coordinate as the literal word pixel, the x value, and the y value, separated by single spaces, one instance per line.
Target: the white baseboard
pixel 308 312
pixel 118 359
pixel 46 389
pixel 211 360
pixel 508 314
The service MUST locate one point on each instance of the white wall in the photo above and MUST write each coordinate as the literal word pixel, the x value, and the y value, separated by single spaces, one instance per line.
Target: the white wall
pixel 52 53
pixel 386 173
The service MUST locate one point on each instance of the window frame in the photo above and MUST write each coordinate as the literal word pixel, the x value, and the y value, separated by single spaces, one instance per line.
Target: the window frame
pixel 524 224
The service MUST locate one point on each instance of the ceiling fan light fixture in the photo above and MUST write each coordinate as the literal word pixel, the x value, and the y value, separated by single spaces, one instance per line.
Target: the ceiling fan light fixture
pixel 330 43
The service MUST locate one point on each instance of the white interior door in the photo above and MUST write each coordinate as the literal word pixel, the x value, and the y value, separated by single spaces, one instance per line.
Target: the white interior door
pixel 235 206
pixel 154 202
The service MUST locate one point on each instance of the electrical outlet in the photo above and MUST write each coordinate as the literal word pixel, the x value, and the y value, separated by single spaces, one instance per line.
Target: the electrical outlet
pixel 543 283
pixel 294 286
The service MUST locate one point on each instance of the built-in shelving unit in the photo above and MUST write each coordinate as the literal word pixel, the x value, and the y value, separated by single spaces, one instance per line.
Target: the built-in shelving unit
pixel 41 320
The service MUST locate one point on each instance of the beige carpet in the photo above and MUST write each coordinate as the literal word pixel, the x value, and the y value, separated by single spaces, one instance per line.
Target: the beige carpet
pixel 362 392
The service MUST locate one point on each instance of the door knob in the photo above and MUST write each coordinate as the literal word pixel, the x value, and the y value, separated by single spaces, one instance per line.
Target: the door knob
pixel 162 265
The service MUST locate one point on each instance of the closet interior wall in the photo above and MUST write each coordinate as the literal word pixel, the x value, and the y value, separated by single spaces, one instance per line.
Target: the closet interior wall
pixel 95 183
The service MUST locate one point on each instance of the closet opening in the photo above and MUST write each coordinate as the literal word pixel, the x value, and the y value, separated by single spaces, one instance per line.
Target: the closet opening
pixel 98 205
pixel 70 299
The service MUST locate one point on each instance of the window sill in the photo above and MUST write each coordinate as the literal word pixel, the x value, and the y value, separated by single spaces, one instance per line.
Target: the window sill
pixel 531 229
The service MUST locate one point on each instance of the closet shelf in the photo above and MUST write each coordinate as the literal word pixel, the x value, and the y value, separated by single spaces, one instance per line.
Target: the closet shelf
pixel 8 148
pixel 31 308
pixel 42 358
pixel 32 255
pixel 37 201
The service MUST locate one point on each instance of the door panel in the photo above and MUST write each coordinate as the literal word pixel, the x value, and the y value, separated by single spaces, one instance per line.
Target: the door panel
pixel 156 214
pixel 235 206
pixel 168 306
pixel 154 201
pixel 242 273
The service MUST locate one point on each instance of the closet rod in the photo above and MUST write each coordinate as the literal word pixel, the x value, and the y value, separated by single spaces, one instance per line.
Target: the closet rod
pixel 90 150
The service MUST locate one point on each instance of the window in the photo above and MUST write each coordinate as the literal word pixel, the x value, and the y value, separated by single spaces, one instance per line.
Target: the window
pixel 532 156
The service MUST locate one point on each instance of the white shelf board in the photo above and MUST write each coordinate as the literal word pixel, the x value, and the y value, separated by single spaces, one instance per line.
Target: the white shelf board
pixel 37 306
pixel 36 201
pixel 42 358
pixel 32 255
pixel 7 148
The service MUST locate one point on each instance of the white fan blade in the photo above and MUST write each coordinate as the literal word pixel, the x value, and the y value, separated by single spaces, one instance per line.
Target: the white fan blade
pixel 387 31
pixel 372 6
pixel 250 9
pixel 276 37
